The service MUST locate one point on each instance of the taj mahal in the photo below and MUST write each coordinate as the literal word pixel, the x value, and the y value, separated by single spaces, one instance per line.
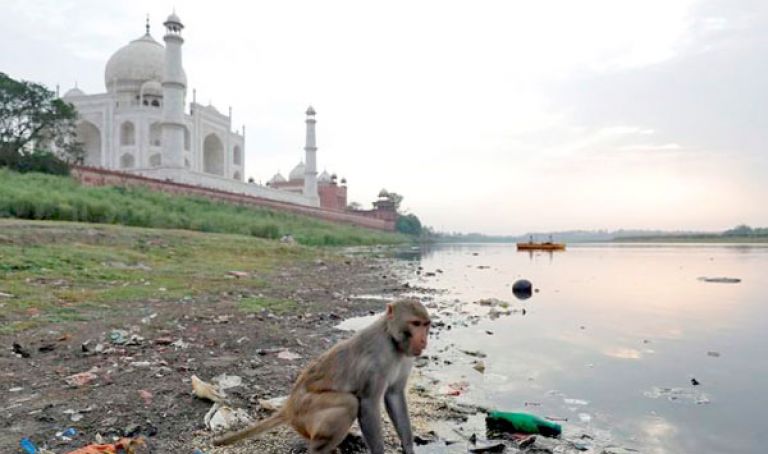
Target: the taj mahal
pixel 141 125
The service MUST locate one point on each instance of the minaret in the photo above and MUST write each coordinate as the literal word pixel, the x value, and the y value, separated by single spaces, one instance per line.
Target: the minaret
pixel 174 92
pixel 310 170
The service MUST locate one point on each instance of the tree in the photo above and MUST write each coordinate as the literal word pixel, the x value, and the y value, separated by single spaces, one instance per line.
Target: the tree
pixel 355 206
pixel 739 230
pixel 33 119
pixel 408 224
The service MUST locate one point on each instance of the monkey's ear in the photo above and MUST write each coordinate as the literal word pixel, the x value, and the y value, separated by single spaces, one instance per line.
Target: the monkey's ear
pixel 390 311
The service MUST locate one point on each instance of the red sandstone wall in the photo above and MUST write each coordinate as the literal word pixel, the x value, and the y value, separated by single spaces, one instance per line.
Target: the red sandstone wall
pixel 90 176
pixel 332 197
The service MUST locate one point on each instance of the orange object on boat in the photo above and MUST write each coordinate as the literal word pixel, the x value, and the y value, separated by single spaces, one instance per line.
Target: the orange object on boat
pixel 547 246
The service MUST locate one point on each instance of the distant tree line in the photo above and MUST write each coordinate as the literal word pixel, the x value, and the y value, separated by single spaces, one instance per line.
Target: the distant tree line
pixel 744 230
pixel 37 129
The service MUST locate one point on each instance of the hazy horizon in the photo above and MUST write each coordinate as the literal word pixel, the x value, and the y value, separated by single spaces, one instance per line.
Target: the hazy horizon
pixel 488 117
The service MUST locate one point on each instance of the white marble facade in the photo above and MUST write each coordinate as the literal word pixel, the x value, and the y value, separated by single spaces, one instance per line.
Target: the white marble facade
pixel 141 124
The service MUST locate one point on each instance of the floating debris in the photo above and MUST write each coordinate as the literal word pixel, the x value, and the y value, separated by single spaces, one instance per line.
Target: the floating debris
pixel 720 280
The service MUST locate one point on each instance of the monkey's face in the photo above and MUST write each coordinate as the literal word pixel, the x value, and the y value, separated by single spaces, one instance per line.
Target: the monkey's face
pixel 418 333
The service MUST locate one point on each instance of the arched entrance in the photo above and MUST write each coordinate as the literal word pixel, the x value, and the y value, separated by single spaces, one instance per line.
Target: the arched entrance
pixel 213 155
pixel 127 161
pixel 89 135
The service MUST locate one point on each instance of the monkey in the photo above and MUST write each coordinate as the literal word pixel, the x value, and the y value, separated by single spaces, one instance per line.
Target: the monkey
pixel 350 381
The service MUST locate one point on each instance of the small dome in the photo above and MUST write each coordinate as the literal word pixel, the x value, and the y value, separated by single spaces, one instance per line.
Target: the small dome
pixel 173 19
pixel 310 110
pixel 324 177
pixel 297 173
pixel 278 178
pixel 72 92
pixel 152 87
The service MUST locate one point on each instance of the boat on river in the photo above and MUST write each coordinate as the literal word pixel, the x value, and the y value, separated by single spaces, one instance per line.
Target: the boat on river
pixel 546 246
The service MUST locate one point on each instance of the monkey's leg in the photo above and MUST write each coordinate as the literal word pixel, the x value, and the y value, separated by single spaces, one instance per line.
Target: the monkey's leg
pixel 327 418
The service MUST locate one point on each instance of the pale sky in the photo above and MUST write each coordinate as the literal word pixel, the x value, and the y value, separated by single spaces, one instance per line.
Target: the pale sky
pixel 498 117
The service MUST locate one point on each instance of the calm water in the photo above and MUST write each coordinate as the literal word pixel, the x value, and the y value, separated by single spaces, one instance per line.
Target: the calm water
pixel 610 328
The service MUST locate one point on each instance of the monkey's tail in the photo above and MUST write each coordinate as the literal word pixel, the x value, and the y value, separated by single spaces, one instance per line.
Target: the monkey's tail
pixel 254 429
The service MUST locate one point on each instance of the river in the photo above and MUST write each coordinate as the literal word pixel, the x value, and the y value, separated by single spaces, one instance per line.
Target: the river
pixel 612 340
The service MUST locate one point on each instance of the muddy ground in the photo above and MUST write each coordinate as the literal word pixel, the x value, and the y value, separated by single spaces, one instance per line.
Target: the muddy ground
pixel 142 363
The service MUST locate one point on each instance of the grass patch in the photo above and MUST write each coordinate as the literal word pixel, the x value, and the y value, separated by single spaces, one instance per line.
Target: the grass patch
pixel 258 304
pixel 47 197
pixel 60 271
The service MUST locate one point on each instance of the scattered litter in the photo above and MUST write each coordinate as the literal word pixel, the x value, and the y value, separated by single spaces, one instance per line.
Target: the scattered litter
pixel 288 355
pixel 505 422
pixel 16 389
pixel 180 344
pixel 204 390
pixel 522 289
pixel 124 445
pixel 695 382
pixel 454 389
pixel 575 402
pixel 81 379
pixel 140 364
pixel 273 404
pixel 46 348
pixel 678 394
pixel 27 446
pixel 474 353
pixel 488 447
pixel 146 396
pixel 221 418
pixel 225 381
pixel 119 336
pixel 19 350
pixel 67 435
pixel 720 280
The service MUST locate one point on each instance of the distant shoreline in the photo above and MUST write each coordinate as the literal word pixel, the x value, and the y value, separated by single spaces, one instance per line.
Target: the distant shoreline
pixel 691 239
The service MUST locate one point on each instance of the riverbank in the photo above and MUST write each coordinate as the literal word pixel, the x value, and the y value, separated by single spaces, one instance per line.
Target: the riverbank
pixel 134 313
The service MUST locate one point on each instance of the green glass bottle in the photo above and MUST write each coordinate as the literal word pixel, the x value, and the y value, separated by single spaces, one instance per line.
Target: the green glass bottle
pixel 502 421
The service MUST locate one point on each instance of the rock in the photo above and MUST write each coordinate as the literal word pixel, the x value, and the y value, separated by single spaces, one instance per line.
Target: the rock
pixel 222 418
pixel 479 366
pixel 288 355
pixel 81 379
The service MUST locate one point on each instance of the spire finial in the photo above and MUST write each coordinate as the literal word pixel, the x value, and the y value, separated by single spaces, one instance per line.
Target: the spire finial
pixel 147 24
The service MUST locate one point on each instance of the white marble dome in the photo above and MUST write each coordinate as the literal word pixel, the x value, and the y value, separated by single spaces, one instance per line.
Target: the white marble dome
pixel 324 177
pixel 72 92
pixel 140 60
pixel 278 178
pixel 298 172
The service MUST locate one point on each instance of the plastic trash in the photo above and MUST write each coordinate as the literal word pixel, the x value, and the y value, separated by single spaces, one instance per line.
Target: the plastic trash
pixel 522 289
pixel 501 421
pixel 123 446
pixel 27 446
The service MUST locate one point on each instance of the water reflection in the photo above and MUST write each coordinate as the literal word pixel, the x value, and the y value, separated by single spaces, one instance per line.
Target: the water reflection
pixel 610 323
